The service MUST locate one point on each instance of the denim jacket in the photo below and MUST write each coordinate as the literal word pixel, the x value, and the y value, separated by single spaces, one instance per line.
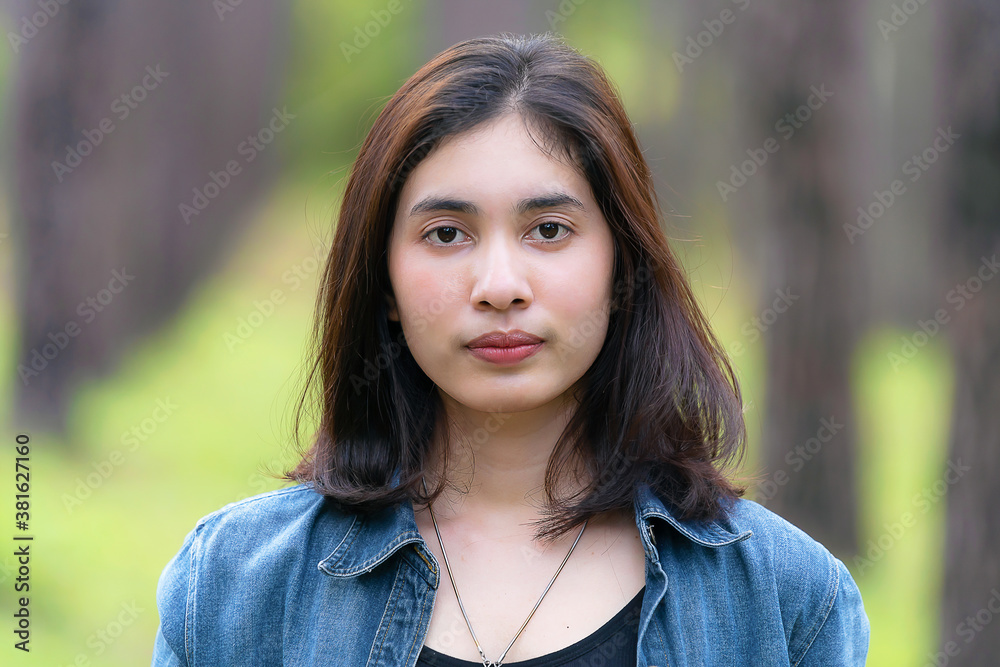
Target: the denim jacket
pixel 282 578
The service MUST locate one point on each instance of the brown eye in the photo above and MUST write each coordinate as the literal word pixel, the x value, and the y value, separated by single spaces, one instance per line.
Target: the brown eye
pixel 550 230
pixel 445 235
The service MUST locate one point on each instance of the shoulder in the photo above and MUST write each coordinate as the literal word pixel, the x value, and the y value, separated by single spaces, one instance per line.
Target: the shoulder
pixel 244 552
pixel 286 502
pixel 802 600
pixel 263 528
pixel 774 540
pixel 267 515
pixel 820 603
pixel 805 572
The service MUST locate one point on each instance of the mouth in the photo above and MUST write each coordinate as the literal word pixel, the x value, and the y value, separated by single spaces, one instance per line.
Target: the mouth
pixel 505 355
pixel 504 339
pixel 505 347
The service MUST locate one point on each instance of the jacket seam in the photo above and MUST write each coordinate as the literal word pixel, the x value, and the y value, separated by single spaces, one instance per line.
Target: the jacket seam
pixel 416 567
pixel 352 534
pixel 190 608
pixel 663 642
pixel 370 564
pixel 413 644
pixel 727 537
pixel 831 601
pixel 387 623
pixel 384 554
pixel 431 567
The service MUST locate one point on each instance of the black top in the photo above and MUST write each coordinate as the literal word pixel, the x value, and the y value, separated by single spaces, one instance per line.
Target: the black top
pixel 615 643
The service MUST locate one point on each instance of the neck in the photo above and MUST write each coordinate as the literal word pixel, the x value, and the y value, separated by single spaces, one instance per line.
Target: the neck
pixel 497 460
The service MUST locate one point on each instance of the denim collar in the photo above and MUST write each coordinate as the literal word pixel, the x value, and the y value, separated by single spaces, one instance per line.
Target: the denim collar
pixel 717 533
pixel 372 539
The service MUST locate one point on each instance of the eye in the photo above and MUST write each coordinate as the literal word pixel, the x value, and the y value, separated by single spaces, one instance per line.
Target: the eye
pixel 549 229
pixel 446 235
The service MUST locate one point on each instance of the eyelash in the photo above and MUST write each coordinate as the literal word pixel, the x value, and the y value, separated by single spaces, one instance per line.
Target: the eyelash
pixel 544 222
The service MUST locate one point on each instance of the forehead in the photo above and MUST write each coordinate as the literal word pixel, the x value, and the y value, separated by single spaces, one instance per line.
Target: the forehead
pixel 500 157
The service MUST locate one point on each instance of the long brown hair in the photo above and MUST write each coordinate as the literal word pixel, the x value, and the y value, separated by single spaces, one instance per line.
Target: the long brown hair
pixel 659 405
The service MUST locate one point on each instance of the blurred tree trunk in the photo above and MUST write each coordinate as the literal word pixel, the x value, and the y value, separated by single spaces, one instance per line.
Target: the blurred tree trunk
pixel 805 103
pixel 121 112
pixel 969 93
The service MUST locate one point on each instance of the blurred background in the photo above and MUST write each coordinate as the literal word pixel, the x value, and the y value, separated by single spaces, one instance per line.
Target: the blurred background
pixel 172 172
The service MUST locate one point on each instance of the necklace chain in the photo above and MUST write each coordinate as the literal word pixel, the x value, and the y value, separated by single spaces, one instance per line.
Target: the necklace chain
pixel 499 661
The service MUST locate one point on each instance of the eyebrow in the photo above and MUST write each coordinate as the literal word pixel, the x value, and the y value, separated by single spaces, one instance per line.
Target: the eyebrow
pixel 434 204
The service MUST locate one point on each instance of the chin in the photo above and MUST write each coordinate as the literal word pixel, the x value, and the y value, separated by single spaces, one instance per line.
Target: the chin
pixel 512 398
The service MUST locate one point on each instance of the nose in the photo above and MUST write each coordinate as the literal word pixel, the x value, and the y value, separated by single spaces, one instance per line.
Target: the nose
pixel 501 274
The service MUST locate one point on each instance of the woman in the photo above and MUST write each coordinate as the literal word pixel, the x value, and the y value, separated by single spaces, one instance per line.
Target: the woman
pixel 525 419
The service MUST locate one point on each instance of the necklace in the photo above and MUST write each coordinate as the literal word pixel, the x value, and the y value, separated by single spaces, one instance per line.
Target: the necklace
pixel 499 661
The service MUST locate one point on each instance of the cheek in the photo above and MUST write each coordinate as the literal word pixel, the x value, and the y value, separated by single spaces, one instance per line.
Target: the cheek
pixel 427 295
pixel 580 295
pixel 585 279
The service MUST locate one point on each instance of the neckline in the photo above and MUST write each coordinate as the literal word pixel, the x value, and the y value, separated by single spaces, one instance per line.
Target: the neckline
pixel 574 650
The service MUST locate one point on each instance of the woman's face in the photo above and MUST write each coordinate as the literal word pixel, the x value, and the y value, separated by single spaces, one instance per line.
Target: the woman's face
pixel 491 234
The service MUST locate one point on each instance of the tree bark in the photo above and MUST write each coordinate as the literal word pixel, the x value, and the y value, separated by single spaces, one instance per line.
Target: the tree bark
pixel 120 112
pixel 804 101
pixel 969 228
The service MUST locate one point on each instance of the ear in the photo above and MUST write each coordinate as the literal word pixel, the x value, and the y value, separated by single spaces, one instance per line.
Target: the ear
pixel 392 311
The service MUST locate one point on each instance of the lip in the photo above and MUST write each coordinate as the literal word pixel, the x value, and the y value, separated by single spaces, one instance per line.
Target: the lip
pixel 505 348
pixel 505 356
pixel 504 339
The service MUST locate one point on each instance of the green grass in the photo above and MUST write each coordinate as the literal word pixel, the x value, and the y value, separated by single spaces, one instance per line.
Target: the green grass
pixel 233 414
pixel 100 545
pixel 903 416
